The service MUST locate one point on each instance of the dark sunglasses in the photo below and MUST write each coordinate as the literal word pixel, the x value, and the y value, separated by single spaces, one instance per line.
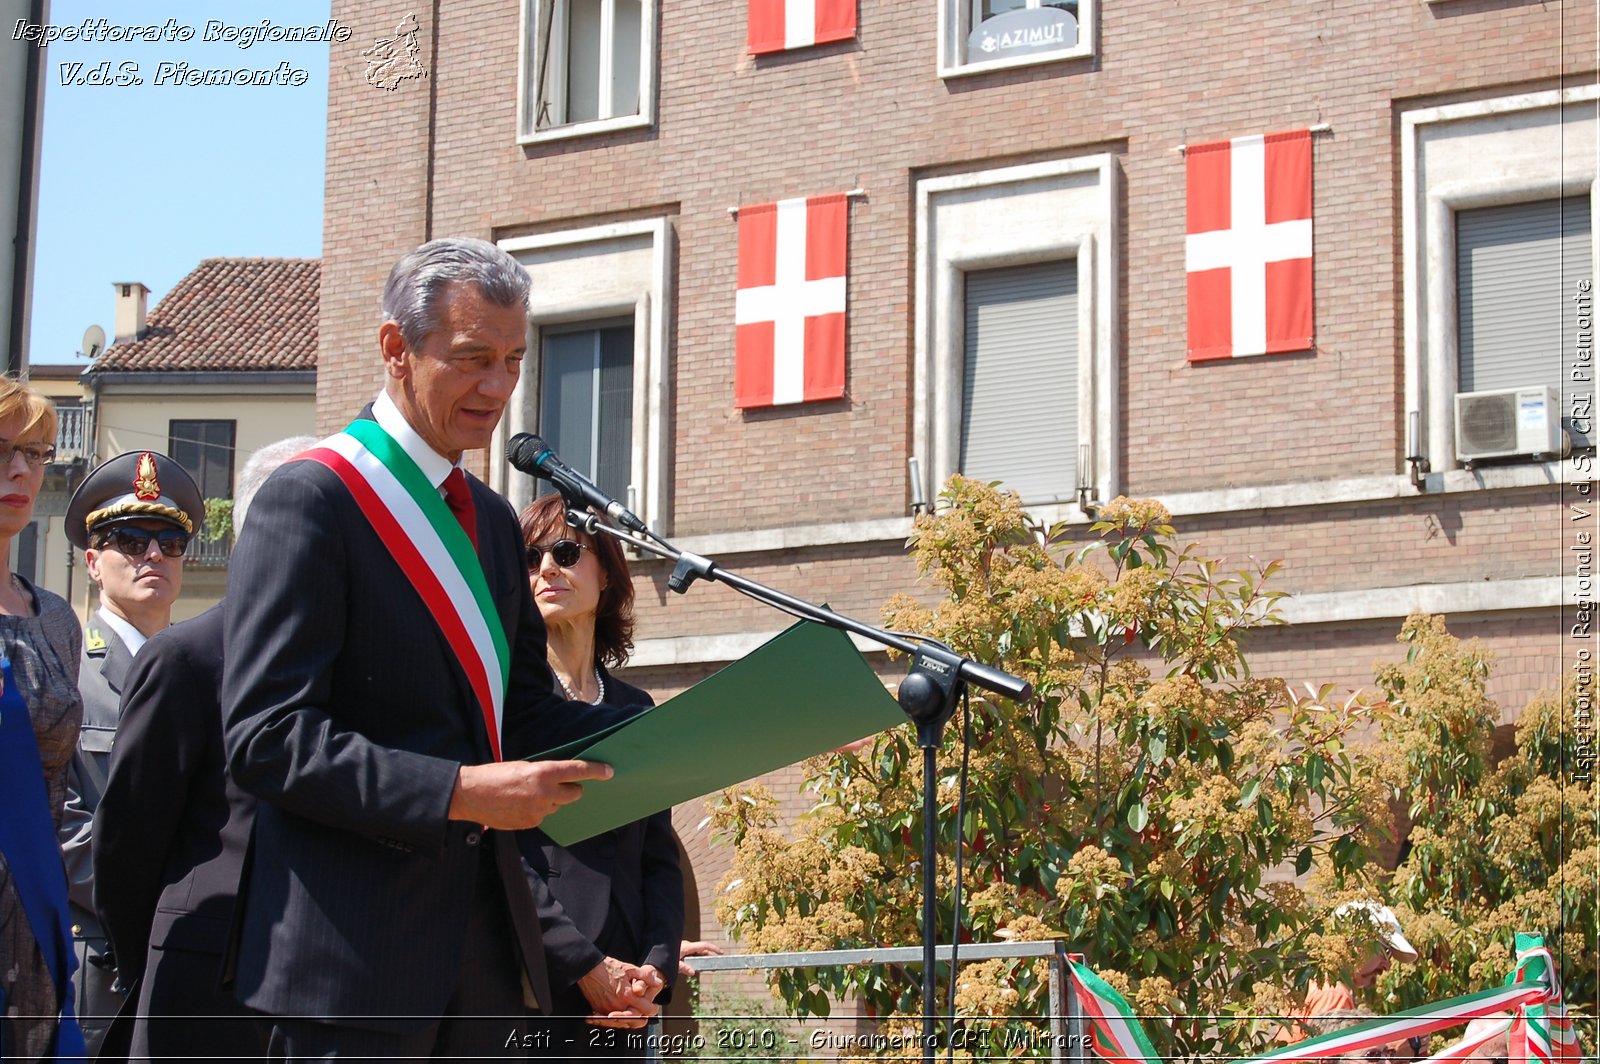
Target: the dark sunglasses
pixel 566 553
pixel 135 542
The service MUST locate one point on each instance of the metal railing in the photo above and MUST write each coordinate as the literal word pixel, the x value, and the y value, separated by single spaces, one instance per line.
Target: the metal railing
pixel 1067 1036
pixel 209 554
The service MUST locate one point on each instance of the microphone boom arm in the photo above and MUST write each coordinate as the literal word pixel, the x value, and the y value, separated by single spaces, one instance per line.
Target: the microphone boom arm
pixel 689 567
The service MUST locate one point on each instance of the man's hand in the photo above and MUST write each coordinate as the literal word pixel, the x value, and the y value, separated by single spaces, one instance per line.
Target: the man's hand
pixel 512 795
pixel 621 994
pixel 695 949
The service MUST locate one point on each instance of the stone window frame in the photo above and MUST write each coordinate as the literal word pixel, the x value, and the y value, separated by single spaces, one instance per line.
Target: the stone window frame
pixel 953 30
pixel 1511 162
pixel 529 73
pixel 1078 200
pixel 593 273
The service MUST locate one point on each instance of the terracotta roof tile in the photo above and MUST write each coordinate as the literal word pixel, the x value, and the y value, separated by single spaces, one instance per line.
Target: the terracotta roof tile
pixel 229 314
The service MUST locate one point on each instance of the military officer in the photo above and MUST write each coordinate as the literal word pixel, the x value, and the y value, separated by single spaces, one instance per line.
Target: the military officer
pixel 133 517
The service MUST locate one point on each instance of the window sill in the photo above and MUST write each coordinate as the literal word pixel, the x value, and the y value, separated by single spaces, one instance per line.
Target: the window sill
pixel 963 70
pixel 1355 606
pixel 1184 504
pixel 585 129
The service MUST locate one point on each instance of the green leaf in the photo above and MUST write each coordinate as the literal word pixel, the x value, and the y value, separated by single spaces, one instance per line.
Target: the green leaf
pixel 1249 792
pixel 1139 816
pixel 1302 864
pixel 1316 768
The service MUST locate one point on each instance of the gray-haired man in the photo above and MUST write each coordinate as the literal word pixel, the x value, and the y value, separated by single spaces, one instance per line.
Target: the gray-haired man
pixel 385 671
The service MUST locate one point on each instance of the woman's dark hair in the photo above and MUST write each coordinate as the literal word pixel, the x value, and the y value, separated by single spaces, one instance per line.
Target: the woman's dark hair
pixel 546 519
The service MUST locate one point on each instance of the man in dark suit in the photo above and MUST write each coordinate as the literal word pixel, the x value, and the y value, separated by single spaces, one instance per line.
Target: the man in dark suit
pixel 384 667
pixel 170 834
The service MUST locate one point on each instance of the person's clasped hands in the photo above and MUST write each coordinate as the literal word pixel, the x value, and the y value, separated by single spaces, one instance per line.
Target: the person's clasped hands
pixel 622 994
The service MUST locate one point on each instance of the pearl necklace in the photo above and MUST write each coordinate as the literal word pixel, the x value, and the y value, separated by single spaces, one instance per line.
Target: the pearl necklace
pixel 572 695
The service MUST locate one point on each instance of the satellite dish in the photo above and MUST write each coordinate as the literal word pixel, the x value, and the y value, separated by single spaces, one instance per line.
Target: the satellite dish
pixel 94 342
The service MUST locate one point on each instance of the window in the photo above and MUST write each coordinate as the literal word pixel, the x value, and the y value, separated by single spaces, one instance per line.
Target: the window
pixel 586 404
pixel 1493 255
pixel 979 35
pixel 1517 266
pixel 598 390
pixel 590 66
pixel 205 449
pixel 1016 330
pixel 1019 396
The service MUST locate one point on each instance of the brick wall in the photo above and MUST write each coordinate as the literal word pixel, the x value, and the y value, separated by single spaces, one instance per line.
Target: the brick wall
pixel 873 114
pixel 375 201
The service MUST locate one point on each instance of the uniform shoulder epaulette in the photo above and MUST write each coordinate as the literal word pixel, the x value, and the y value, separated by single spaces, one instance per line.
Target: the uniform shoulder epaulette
pixel 92 639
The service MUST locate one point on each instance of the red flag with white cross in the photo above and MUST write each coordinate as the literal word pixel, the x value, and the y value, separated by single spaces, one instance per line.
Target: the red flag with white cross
pixel 1248 249
pixel 789 312
pixel 781 25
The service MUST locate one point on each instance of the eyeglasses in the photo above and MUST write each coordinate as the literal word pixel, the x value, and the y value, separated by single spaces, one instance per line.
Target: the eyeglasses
pixel 35 454
pixel 565 553
pixel 135 542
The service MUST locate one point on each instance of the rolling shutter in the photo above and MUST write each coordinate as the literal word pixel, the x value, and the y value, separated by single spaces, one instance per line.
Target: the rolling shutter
pixel 1517 269
pixel 1019 410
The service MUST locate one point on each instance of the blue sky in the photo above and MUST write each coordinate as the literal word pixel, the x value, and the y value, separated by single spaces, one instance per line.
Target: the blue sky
pixel 141 182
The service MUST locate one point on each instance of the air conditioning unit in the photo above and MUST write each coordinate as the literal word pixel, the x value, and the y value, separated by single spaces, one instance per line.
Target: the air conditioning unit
pixel 1509 422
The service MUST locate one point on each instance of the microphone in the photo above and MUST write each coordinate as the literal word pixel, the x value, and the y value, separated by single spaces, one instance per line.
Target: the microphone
pixel 534 457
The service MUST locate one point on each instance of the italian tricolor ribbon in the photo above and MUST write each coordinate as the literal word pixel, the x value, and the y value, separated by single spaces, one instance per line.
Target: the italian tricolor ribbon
pixel 1112 1024
pixel 1540 1030
pixel 432 551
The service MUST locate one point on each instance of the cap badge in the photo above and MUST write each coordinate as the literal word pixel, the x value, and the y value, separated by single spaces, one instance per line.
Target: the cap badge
pixel 145 485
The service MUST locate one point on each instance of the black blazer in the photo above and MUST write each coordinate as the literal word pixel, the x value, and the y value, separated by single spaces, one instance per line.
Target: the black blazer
pixel 170 831
pixel 347 715
pixel 618 894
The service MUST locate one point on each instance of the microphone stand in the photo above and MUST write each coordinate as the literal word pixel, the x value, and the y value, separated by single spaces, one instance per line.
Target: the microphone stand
pixel 937 680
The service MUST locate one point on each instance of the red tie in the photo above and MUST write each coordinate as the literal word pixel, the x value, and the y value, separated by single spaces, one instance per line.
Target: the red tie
pixel 458 497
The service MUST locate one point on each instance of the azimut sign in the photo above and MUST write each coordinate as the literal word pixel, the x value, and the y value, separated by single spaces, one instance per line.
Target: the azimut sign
pixel 1022 32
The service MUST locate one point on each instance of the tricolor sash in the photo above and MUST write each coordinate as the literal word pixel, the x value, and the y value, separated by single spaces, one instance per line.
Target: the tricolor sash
pixel 432 550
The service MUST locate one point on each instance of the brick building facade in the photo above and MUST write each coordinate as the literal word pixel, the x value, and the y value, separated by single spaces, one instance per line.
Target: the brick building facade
pixel 1422 111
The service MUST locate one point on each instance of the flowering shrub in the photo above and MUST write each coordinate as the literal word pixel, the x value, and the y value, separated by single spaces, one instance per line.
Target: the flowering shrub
pixel 1494 848
pixel 1146 805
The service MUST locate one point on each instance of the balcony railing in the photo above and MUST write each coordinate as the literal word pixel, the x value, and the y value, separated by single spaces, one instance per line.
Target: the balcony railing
pixel 1064 1020
pixel 209 554
pixel 74 433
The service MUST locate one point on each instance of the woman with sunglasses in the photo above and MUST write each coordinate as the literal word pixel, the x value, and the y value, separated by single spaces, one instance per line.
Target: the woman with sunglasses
pixel 612 916
pixel 40 713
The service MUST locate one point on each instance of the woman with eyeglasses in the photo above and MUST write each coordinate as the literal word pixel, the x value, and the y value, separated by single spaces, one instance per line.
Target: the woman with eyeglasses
pixel 40 713
pixel 612 916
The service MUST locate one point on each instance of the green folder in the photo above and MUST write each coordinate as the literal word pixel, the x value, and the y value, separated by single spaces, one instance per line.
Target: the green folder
pixel 803 692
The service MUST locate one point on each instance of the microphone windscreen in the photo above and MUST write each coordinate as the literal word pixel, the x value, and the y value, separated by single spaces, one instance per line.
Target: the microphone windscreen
pixel 525 449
